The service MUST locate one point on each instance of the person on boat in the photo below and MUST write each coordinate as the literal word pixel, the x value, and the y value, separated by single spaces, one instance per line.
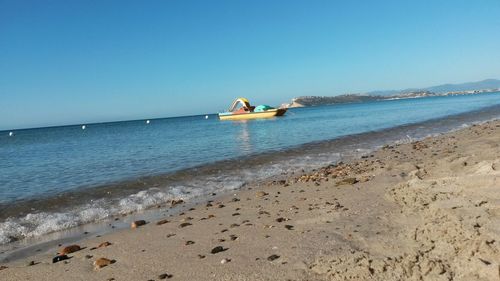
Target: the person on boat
pixel 241 105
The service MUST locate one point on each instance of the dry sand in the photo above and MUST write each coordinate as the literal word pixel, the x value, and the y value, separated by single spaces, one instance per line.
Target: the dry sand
pixel 428 210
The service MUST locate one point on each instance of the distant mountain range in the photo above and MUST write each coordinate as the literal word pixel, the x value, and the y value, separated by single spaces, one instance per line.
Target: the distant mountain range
pixel 445 88
pixel 488 85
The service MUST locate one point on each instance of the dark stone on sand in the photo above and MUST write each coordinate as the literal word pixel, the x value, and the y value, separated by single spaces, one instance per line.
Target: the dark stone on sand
pixel 165 276
pixel 59 258
pixel 2 267
pixel 217 249
pixel 281 219
pixel 175 202
pixel 289 227
pixel 89 256
pixel 235 199
pixel 184 224
pixel 138 223
pixel 189 242
pixel 273 257
pixel 162 222
pixel 31 263
pixel 201 256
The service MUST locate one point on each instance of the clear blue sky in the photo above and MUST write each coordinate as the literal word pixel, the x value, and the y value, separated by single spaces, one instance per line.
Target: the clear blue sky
pixel 67 62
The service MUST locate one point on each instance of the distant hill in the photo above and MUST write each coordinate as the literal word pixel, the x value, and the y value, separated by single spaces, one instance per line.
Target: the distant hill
pixel 488 85
pixel 445 88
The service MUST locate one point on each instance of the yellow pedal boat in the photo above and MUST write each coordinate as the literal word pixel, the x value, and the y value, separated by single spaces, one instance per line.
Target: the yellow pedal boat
pixel 242 110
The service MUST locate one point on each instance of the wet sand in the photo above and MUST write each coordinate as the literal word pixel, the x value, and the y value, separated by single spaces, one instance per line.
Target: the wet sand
pixel 427 210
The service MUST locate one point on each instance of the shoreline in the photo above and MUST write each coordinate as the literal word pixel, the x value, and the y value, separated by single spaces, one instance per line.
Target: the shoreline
pixel 341 221
pixel 215 179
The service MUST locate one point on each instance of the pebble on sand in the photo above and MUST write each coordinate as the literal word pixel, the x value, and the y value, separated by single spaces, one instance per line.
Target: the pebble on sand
pixel 138 223
pixel 102 262
pixel 104 244
pixel 348 181
pixel 217 249
pixel 165 276
pixel 2 267
pixel 69 249
pixel 175 202
pixel 223 261
pixel 259 194
pixel 184 224
pixel 59 258
pixel 273 257
pixel 162 222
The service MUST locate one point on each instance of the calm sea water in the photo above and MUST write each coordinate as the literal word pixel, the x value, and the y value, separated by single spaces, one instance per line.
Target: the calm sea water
pixel 60 177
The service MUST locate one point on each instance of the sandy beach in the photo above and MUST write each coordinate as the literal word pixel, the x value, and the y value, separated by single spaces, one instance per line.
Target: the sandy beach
pixel 426 210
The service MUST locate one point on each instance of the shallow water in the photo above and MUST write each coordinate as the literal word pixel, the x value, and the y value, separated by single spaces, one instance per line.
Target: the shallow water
pixel 57 178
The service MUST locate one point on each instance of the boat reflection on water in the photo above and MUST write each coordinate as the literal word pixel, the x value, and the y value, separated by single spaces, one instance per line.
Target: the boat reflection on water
pixel 243 137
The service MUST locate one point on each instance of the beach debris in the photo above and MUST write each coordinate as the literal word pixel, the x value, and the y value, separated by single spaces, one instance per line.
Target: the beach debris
pixel 175 202
pixel 102 262
pixel 189 242
pixel 273 257
pixel 162 222
pixel 84 127
pixel 182 225
pixel 69 249
pixel 138 223
pixel 59 258
pixel 289 227
pixel 31 263
pixel 347 181
pixel 224 261
pixel 165 276
pixel 2 267
pixel 11 134
pixel 217 249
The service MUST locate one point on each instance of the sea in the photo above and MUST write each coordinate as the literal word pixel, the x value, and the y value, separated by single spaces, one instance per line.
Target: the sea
pixel 56 179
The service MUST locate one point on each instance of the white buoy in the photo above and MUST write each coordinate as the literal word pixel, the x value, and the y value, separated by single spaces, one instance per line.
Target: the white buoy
pixel 147 122
pixel 206 116
pixel 84 127
pixel 11 134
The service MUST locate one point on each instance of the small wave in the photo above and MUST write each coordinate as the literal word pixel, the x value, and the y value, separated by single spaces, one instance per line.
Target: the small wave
pixel 230 177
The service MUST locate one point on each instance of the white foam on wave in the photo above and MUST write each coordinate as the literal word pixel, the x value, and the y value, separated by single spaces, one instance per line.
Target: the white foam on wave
pixel 38 224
